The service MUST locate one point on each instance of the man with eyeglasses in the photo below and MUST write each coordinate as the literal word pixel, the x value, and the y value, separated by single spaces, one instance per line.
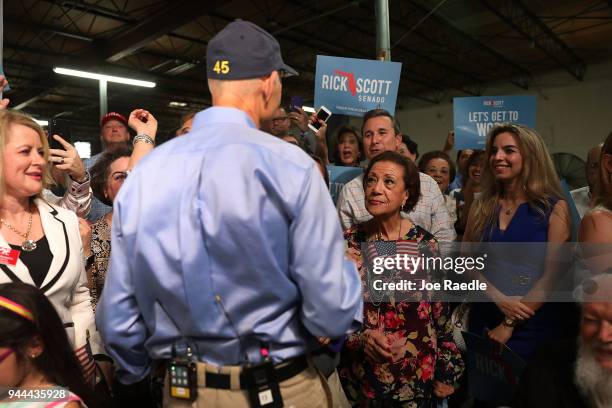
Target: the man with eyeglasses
pixel 228 239
pixel 280 123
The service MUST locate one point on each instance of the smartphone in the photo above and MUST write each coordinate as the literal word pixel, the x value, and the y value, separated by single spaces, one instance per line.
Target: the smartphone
pixel 60 127
pixel 323 114
pixel 296 102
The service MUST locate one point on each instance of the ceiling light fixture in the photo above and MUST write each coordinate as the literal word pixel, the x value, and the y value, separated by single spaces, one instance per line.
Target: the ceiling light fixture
pixel 103 77
pixel 103 81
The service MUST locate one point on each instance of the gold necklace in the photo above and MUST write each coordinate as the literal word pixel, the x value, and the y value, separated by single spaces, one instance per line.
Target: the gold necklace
pixel 27 245
pixel 399 233
pixel 508 210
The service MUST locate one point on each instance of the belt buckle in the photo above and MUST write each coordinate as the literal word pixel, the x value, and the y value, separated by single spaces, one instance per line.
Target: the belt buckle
pixel 521 280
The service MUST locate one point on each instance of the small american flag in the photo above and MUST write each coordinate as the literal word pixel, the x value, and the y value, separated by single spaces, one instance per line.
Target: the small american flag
pixel 85 357
pixel 384 249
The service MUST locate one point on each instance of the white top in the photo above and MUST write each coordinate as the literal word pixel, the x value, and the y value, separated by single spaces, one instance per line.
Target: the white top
pixel 582 200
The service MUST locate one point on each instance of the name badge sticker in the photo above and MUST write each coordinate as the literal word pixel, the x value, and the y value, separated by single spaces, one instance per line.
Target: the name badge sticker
pixel 9 256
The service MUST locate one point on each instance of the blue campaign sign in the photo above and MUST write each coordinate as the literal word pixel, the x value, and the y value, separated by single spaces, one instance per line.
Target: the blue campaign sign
pixel 475 116
pixel 493 374
pixel 349 86
pixel 339 176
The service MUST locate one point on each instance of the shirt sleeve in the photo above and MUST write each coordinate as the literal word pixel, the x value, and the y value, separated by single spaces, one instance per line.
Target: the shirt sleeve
pixel 77 197
pixel 119 320
pixel 329 284
pixel 345 211
pixel 441 225
pixel 82 315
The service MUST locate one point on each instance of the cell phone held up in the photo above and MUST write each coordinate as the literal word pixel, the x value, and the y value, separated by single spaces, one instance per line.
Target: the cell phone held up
pixel 296 103
pixel 60 127
pixel 323 114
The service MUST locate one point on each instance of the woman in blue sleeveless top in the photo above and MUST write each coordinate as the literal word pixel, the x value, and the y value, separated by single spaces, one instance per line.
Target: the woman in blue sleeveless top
pixel 521 201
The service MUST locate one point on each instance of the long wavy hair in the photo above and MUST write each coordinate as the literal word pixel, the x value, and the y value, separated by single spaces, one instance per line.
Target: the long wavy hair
pixel 603 188
pixel 57 362
pixel 538 180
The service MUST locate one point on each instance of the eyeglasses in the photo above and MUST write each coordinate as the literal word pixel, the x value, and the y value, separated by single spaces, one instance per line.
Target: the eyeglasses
pixel 119 176
pixel 280 119
pixel 5 354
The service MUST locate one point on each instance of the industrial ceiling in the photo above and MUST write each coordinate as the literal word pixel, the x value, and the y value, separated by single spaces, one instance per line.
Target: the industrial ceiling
pixel 457 47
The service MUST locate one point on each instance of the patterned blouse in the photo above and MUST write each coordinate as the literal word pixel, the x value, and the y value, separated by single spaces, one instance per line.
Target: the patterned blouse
pixel 420 334
pixel 100 250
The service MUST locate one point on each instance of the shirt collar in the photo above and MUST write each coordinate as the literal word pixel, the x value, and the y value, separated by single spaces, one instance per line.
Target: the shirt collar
pixel 218 114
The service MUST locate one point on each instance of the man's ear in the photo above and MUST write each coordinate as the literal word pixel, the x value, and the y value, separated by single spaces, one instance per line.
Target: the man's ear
pixel 398 141
pixel 268 85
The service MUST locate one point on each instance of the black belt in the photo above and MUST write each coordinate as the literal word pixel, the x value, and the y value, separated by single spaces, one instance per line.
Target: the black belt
pixel 284 371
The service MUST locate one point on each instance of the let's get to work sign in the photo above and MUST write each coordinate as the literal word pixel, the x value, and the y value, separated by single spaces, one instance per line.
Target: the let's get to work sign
pixel 350 86
pixel 473 117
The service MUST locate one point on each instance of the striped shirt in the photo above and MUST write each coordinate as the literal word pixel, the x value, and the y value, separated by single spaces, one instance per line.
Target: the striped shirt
pixel 430 212
pixel 77 197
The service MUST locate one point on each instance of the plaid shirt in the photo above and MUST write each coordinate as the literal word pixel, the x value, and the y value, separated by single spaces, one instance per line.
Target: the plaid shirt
pixel 430 212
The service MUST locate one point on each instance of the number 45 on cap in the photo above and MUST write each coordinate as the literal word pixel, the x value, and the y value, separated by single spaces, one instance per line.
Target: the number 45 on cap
pixel 221 67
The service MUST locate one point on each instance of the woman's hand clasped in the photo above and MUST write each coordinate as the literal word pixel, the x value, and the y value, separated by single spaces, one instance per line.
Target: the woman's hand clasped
pixel 501 334
pixel 514 309
pixel 442 390
pixel 376 347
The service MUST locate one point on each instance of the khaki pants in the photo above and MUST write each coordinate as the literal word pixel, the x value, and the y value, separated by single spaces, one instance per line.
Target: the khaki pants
pixel 338 396
pixel 306 389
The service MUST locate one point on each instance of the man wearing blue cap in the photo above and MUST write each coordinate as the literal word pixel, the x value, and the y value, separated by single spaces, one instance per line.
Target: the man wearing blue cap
pixel 227 240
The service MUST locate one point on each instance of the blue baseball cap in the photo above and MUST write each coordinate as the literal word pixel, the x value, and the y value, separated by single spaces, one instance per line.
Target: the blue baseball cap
pixel 243 50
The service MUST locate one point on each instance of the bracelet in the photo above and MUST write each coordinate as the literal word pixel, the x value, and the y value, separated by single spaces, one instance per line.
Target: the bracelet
pixel 143 137
pixel 86 178
pixel 510 322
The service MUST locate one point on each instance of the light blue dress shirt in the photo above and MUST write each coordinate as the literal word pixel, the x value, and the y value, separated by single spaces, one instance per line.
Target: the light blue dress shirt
pixel 227 236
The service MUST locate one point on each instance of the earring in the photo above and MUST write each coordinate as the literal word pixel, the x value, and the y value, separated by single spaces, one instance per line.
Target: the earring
pixel 34 356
